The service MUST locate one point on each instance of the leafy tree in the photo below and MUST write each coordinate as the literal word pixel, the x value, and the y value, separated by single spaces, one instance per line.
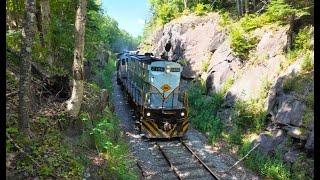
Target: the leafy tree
pixel 74 103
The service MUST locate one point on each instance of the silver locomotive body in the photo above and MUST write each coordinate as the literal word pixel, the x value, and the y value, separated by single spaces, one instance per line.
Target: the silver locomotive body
pixel 153 88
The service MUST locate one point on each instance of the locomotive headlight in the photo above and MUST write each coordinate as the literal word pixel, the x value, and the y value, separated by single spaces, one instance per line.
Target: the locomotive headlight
pixel 148 114
pixel 167 69
pixel 182 114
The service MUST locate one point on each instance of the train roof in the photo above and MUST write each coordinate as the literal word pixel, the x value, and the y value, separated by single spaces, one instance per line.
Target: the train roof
pixel 146 58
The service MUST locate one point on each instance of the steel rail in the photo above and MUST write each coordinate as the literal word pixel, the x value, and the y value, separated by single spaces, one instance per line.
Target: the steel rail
pixel 199 160
pixel 169 162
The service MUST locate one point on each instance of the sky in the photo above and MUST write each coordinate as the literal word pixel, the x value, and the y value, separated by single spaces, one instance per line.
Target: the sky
pixel 130 14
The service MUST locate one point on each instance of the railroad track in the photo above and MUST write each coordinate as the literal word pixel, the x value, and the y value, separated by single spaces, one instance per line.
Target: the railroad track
pixel 181 161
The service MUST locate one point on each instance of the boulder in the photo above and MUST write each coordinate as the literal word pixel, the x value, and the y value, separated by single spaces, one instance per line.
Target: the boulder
pixel 191 38
pixel 249 83
pixel 295 132
pixel 291 156
pixel 290 111
pixel 222 65
pixel 225 116
pixel 270 142
pixel 272 99
pixel 309 146
pixel 272 43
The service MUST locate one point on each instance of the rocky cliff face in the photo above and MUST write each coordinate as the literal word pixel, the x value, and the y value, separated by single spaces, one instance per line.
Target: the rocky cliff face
pixel 203 47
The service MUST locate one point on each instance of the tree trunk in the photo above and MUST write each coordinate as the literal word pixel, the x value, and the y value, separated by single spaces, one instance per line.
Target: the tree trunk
pixel 241 7
pixel 28 32
pixel 39 23
pixel 246 5
pixel 253 5
pixel 45 17
pixel 238 3
pixel 74 103
pixel 185 4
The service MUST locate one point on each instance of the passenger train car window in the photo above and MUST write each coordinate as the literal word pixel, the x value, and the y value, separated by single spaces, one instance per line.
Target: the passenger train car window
pixel 161 69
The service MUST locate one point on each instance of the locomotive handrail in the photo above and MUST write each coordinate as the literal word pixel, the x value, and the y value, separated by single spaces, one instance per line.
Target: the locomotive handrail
pixel 186 101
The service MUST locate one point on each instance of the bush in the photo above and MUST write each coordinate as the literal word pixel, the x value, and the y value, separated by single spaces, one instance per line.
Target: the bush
pixel 250 22
pixel 105 134
pixel 235 136
pixel 303 39
pixel 307 62
pixel 225 19
pixel 240 44
pixel 226 85
pixel 166 13
pixel 249 115
pixel 279 10
pixel 205 65
pixel 296 82
pixel 110 67
pixel 201 9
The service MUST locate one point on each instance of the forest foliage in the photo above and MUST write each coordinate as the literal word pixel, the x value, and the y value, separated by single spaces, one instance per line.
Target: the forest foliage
pixel 51 149
pixel 102 31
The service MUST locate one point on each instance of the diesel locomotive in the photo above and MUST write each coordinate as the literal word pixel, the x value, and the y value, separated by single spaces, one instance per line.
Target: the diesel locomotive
pixel 152 86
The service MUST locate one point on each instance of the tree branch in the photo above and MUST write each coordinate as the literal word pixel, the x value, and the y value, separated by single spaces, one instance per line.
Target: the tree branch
pixel 241 158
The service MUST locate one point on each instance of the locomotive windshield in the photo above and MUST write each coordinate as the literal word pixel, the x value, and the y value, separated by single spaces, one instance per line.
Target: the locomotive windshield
pixel 161 69
pixel 164 91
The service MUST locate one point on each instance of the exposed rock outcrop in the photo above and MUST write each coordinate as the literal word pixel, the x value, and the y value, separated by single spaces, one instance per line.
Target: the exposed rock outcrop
pixel 191 39
pixel 271 142
pixel 203 47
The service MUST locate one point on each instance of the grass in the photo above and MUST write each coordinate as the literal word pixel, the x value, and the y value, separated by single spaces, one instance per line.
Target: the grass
pixel 227 85
pixel 249 115
pixel 303 46
pixel 296 82
pixel 270 166
pixel 205 121
pixel 183 62
pixel 205 65
pixel 273 167
pixel 308 113
pixel 307 62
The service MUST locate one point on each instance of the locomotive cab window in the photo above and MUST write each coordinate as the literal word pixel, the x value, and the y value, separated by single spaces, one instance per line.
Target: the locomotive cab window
pixel 161 69
pixel 123 62
pixel 174 69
